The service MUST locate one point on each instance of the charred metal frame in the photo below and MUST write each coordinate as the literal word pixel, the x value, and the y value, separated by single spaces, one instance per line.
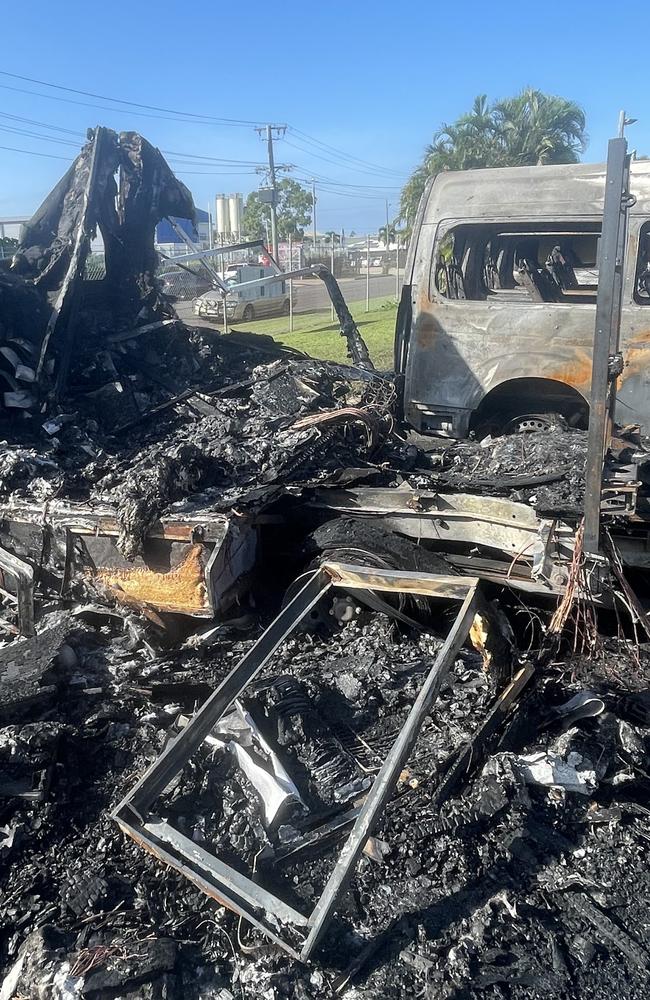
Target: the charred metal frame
pixel 23 575
pixel 232 889
pixel 230 542
pixel 609 303
pixel 540 549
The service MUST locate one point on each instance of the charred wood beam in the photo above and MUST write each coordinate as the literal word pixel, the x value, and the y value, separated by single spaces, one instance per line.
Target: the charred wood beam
pixel 78 226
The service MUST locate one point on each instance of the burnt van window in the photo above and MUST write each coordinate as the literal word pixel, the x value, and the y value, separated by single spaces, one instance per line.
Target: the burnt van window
pixel 642 281
pixel 553 262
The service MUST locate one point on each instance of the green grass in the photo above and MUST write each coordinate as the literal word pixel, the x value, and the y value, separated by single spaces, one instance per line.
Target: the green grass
pixel 316 335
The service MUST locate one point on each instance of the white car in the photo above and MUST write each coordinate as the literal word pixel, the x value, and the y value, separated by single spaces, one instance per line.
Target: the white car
pixel 245 304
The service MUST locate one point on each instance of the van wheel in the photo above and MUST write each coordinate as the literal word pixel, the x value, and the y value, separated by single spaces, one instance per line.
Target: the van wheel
pixel 530 422
pixel 248 313
pixel 286 308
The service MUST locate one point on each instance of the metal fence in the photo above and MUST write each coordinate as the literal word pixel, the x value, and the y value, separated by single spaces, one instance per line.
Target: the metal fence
pixel 369 277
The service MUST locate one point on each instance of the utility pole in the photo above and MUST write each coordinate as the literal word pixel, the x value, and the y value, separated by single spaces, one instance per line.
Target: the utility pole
pixel 313 209
pixel 387 225
pixel 269 132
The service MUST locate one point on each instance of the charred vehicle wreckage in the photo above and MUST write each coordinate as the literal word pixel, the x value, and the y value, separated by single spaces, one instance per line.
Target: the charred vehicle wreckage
pixel 294 702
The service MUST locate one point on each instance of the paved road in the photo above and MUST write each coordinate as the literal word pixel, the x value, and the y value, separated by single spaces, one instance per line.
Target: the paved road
pixel 310 295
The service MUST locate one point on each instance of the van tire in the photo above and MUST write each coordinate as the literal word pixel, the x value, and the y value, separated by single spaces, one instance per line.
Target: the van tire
pixel 248 313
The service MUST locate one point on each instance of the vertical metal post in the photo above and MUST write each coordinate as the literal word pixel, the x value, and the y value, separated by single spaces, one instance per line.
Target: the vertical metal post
pixel 290 284
pixel 368 272
pixel 313 211
pixel 397 269
pixel 209 227
pixel 332 270
pixel 607 330
pixel 225 315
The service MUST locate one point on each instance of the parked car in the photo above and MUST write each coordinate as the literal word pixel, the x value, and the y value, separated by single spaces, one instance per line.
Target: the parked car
pixel 244 303
pixel 180 284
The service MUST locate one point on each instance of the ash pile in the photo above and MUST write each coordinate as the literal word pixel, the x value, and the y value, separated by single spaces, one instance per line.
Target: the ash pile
pixel 509 861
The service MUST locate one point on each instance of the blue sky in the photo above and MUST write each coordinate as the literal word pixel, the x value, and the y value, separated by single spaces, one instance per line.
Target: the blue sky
pixel 370 81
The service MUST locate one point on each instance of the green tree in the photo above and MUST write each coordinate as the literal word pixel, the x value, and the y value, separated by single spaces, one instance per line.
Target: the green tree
pixel 332 236
pixel 529 129
pixel 294 212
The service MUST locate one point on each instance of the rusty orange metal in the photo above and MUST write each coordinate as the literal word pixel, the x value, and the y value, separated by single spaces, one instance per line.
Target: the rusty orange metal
pixel 182 589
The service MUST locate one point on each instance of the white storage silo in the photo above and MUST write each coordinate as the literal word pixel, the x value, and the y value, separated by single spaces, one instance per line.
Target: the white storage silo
pixel 223 216
pixel 235 208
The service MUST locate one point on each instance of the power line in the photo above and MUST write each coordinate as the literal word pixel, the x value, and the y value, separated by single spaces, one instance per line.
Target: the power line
pixel 101 107
pixel 360 187
pixel 348 194
pixel 339 163
pixel 188 117
pixel 35 135
pixel 215 173
pixel 30 121
pixel 342 153
pixel 32 152
pixel 332 154
pixel 192 158
pixel 206 119
pixel 212 159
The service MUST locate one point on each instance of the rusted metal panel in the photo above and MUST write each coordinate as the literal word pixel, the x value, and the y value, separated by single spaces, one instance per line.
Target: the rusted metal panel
pixel 181 590
pixel 207 555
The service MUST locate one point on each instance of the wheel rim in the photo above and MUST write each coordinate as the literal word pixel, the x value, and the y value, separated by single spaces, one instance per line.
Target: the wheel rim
pixel 529 424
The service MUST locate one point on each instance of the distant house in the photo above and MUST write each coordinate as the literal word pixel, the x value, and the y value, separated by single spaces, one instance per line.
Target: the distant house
pixel 170 242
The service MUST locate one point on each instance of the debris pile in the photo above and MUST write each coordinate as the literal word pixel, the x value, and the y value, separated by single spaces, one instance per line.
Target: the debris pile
pixel 544 468
pixel 531 873
pixel 505 751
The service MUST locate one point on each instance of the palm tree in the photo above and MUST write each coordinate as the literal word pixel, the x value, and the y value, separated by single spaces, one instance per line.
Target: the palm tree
pixel 539 128
pixel 392 233
pixel 529 129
